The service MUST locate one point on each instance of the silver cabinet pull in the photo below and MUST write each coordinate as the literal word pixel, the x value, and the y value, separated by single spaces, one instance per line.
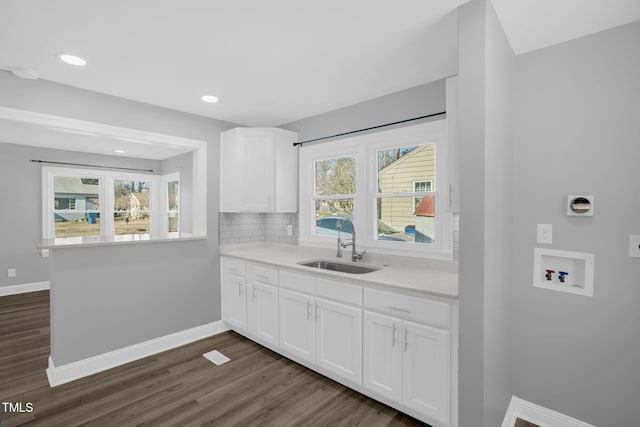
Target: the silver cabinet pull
pixel 254 293
pixel 308 310
pixel 393 336
pixel 406 341
pixel 403 310
pixel 264 278
pixel 317 312
pixel 239 288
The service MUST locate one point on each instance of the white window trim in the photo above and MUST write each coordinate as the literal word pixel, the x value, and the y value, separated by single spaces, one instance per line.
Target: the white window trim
pixel 107 178
pixel 364 149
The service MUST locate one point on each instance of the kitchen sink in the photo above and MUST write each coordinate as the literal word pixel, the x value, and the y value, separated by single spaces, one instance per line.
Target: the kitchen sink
pixel 342 267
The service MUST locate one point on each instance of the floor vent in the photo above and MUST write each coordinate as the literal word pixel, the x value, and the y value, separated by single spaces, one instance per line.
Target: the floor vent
pixel 216 357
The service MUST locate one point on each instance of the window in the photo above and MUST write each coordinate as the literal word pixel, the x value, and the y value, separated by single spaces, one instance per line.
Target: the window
pixel 82 202
pixel 403 172
pixel 386 184
pixel 76 206
pixel 335 188
pixel 421 187
pixel 173 205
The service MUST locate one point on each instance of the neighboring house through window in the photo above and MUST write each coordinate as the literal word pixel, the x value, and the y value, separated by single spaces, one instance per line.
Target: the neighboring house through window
pixel 85 202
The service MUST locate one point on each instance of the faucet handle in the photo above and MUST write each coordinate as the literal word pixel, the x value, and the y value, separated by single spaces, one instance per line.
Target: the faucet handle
pixel 359 255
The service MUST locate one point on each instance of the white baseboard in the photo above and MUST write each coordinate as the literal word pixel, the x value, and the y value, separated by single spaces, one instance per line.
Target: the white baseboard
pixel 58 375
pixel 519 408
pixel 24 288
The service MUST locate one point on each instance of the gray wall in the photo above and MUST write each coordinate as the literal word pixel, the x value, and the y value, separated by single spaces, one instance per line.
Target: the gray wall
pixel 169 286
pixel 485 138
pixel 500 72
pixel 577 131
pixel 471 143
pixel 418 101
pixel 21 213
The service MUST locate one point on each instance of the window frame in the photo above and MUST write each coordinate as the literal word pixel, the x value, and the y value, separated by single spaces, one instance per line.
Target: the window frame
pixel 106 178
pixel 364 148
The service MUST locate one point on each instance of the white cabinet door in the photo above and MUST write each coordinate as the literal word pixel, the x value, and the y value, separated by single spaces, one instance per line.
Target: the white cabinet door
pixel 259 181
pixel 262 313
pixel 296 324
pixel 339 339
pixel 382 349
pixel 234 304
pixel 258 170
pixel 426 370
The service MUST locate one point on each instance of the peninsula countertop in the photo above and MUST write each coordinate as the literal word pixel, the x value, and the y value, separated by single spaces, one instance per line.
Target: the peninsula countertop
pixel 421 275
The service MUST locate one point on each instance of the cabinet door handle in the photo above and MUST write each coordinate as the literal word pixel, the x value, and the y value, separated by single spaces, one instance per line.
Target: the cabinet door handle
pixel 264 278
pixel 406 341
pixel 254 293
pixel 317 312
pixel 403 310
pixel 308 310
pixel 393 336
pixel 239 288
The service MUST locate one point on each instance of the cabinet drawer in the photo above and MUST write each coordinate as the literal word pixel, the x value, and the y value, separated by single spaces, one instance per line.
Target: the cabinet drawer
pixel 233 266
pixel 422 310
pixel 297 282
pixel 338 291
pixel 265 275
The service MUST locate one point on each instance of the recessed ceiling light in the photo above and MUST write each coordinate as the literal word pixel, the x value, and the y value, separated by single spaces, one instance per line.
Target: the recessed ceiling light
pixel 210 98
pixel 72 59
pixel 120 151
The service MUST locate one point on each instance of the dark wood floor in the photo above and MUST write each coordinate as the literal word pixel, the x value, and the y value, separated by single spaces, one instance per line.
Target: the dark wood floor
pixel 176 388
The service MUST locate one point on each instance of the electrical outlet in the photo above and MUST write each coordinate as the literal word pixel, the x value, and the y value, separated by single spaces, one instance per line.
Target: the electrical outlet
pixel 11 272
pixel 289 230
pixel 545 233
pixel 634 245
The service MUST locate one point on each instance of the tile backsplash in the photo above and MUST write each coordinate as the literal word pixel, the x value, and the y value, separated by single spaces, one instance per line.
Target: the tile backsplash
pixel 258 227
pixel 271 227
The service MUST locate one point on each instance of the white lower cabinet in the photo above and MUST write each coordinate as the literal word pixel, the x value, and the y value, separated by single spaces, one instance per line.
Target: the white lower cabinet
pixel 339 339
pixel 234 307
pixel 262 312
pixel 392 345
pixel 426 371
pixel 382 363
pixel 297 324
pixel 408 363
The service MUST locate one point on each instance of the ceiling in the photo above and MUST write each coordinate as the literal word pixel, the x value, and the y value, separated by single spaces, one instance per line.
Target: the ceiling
pixel 269 62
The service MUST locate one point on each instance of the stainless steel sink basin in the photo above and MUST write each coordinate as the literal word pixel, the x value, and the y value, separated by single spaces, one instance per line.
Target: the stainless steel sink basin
pixel 342 267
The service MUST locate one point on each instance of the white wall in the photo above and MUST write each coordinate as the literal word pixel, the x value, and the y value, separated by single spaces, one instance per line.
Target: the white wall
pixel 577 131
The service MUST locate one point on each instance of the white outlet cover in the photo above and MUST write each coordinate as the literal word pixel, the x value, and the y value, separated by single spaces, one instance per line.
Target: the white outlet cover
pixel 11 272
pixel 545 233
pixel 634 245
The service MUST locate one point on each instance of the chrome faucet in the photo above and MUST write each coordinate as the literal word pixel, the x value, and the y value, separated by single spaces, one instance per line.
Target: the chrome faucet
pixel 355 255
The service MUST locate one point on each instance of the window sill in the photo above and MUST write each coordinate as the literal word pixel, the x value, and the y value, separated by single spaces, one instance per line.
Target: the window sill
pixel 73 242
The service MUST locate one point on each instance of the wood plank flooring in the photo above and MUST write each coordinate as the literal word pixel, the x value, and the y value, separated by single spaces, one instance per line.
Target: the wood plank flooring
pixel 176 388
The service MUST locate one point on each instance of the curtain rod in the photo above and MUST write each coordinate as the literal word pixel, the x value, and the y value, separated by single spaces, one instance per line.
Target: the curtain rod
pixel 91 166
pixel 369 128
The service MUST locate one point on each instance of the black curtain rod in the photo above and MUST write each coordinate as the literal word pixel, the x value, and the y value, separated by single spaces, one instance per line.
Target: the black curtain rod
pixel 370 128
pixel 91 166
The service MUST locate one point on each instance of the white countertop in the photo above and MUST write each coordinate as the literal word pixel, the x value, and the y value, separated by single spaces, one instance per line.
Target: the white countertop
pixel 74 242
pixel 414 274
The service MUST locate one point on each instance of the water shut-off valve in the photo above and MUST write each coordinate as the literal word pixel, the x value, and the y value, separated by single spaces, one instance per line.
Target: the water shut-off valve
pixel 549 274
pixel 561 276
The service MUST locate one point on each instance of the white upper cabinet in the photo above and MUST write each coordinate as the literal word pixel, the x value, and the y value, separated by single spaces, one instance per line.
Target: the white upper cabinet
pixel 258 170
